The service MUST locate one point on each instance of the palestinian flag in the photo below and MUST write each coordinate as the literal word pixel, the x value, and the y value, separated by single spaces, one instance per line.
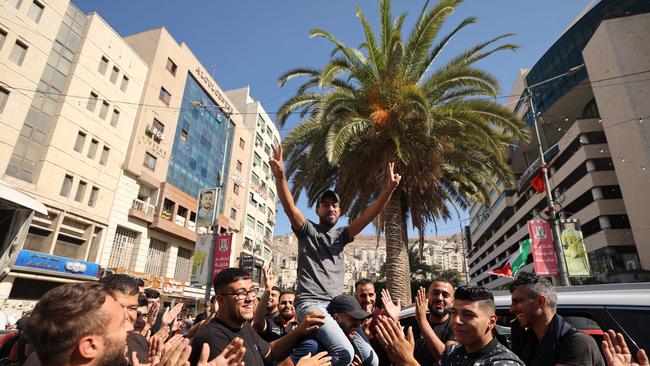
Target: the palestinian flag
pixel 515 262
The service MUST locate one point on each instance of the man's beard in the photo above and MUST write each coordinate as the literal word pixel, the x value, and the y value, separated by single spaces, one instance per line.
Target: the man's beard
pixel 287 316
pixel 113 354
pixel 439 313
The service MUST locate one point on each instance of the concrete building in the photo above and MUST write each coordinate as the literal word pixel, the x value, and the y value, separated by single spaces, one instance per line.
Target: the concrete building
pixel 181 142
pixel 594 127
pixel 68 86
pixel 258 213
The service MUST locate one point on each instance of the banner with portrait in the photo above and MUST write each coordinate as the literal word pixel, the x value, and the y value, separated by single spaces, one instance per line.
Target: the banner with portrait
pixel 575 252
pixel 207 205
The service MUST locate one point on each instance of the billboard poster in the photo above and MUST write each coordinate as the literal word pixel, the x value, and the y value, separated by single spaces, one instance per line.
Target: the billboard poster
pixel 200 265
pixel 222 253
pixel 544 258
pixel 207 207
pixel 575 252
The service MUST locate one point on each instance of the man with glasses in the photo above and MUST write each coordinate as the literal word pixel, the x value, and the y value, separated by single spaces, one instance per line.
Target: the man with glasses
pixel 236 298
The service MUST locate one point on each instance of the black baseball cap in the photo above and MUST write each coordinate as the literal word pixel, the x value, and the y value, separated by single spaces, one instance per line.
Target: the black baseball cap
pixel 347 304
pixel 328 194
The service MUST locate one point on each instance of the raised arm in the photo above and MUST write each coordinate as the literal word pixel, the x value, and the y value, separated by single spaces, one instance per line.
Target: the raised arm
pixel 377 206
pixel 259 319
pixel 296 218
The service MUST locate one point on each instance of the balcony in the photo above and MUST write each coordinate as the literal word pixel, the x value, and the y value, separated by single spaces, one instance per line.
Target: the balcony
pixel 172 216
pixel 142 210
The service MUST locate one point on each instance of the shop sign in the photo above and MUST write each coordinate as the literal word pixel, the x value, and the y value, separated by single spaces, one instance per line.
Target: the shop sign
pixel 246 262
pixel 45 263
pixel 154 146
pixel 165 285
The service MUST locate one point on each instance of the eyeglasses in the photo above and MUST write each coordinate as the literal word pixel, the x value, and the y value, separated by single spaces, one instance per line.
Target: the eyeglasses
pixel 242 294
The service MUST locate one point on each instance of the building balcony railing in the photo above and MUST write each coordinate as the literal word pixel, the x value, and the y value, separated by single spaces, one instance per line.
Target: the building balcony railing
pixel 142 210
pixel 180 220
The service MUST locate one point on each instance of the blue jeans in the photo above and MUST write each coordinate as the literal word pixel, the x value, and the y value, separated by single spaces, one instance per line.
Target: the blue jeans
pixel 332 338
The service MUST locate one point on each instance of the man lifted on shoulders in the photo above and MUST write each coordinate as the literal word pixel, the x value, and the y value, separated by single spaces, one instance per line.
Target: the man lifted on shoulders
pixel 321 265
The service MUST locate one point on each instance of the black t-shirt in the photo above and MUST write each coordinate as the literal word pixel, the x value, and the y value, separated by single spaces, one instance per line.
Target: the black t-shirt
pixel 494 354
pixel 137 343
pixel 422 353
pixel 575 348
pixel 274 330
pixel 218 335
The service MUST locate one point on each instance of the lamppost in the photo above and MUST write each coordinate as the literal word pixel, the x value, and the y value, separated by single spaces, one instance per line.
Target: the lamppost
pixel 563 278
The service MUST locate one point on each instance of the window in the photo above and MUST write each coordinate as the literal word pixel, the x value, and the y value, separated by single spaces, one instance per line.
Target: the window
pixel 104 158
pixel 4 95
pixel 18 53
pixel 275 141
pixel 271 195
pixel 103 65
pixel 251 199
pixel 183 264
pixel 261 208
pixel 115 117
pixel 258 140
pixel 114 73
pixel 122 248
pixel 35 11
pixel 255 179
pixel 80 142
pixel 125 83
pixel 92 102
pixel 81 190
pixel 92 151
pixel 3 36
pixel 266 168
pixel 239 166
pixel 15 3
pixel 250 222
pixel 183 134
pixel 103 111
pixel 164 96
pixel 93 196
pixel 155 256
pixel 242 143
pixel 260 122
pixel 235 189
pixel 158 126
pixel 259 228
pixel 269 133
pixel 150 161
pixel 233 214
pixel 267 149
pixel 66 186
pixel 171 66
pixel 257 160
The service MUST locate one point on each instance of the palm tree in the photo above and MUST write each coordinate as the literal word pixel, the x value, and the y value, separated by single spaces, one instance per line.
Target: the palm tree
pixel 392 99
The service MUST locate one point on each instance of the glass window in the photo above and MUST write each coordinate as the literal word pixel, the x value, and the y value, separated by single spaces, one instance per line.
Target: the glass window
pixel 251 199
pixel 250 222
pixel 267 149
pixel 155 256
pixel 260 228
pixel 35 11
pixel 103 111
pixel 260 123
pixel 125 83
pixel 275 141
pixel 164 95
pixel 239 166
pixel 255 179
pixel 104 158
pixel 242 143
pixel 103 65
pixel 15 3
pixel 115 117
pixel 18 53
pixel 171 66
pixel 81 190
pixel 233 214
pixel 235 188
pixel 159 126
pixel 92 200
pixel 269 133
pixel 80 142
pixel 150 161
pixel 183 264
pixel 3 36
pixel 66 186
pixel 114 74
pixel 257 160
pixel 266 168
pixel 92 151
pixel 271 195
pixel 258 140
pixel 4 95
pixel 92 102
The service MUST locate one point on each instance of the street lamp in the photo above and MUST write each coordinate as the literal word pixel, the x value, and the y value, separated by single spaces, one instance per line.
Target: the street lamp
pixel 563 277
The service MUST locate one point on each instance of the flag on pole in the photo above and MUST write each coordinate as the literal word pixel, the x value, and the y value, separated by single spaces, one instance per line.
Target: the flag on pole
pixel 538 183
pixel 515 262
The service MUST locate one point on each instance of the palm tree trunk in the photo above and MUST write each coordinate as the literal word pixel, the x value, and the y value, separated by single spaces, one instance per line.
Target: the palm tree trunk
pixel 398 279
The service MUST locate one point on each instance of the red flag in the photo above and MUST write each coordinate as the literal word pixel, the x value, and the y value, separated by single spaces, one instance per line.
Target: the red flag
pixel 538 183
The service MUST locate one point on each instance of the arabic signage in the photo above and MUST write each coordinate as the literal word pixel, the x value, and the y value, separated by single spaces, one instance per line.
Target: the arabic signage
pixel 246 262
pixel 32 261
pixel 541 238
pixel 222 253
pixel 165 285
pixel 575 252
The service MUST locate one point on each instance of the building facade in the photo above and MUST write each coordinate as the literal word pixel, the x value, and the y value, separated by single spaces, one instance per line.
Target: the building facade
pixel 596 141
pixel 66 112
pixel 258 211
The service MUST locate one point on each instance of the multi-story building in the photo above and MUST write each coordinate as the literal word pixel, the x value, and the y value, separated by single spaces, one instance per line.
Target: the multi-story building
pixel 595 133
pixel 181 142
pixel 67 107
pixel 258 214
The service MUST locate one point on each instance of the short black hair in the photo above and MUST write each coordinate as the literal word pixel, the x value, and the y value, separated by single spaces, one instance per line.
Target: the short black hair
pixel 287 292
pixel 536 286
pixel 228 276
pixel 119 282
pixel 474 294
pixel 276 288
pixel 142 300
pixel 140 282
pixel 361 282
pixel 151 293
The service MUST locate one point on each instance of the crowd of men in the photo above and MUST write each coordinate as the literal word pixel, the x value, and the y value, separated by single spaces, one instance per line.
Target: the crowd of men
pixel 117 322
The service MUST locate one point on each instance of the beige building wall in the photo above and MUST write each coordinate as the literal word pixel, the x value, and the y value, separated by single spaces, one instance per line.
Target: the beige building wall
pixel 620 47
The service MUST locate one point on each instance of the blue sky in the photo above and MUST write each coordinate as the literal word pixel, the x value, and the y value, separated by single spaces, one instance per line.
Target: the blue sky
pixel 249 42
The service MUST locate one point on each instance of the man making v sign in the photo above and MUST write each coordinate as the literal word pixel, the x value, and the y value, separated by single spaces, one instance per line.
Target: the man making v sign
pixel 321 265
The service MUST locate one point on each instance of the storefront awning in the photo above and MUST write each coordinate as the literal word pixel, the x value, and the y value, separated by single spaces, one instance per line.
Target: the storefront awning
pixel 11 194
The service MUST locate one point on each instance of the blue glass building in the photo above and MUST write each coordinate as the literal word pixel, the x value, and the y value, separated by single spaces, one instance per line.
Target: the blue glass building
pixel 202 141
